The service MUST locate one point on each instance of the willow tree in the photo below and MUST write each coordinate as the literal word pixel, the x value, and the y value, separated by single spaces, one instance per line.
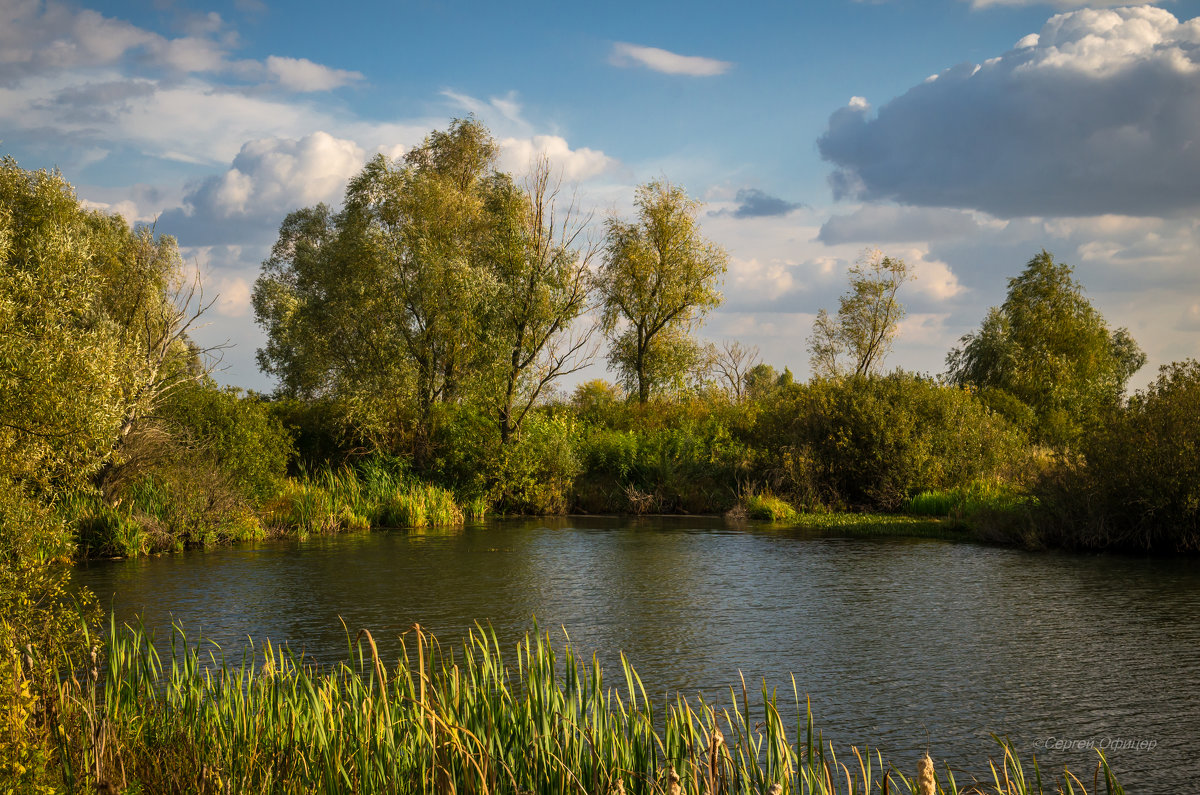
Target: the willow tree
pixel 93 329
pixel 440 281
pixel 1047 347
pixel 658 279
pixel 387 296
pixel 542 265
pixel 858 339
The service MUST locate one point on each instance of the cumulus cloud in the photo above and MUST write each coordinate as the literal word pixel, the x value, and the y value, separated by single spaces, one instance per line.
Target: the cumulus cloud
pixel 45 38
pixel 665 61
pixel 1099 115
pixel 517 154
pixel 269 178
pixel 772 278
pixel 301 74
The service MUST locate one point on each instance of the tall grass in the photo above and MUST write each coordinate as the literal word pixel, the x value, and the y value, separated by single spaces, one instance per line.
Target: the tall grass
pixel 446 722
pixel 961 504
pixel 373 493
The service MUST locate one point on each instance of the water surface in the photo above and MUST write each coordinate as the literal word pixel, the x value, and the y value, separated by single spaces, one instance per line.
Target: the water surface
pixel 902 644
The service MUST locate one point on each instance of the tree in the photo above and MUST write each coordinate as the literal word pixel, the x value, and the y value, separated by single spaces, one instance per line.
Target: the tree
pixel 388 297
pixel 731 362
pixel 1049 348
pixel 658 278
pixel 543 273
pixel 441 281
pixel 92 334
pixel 867 318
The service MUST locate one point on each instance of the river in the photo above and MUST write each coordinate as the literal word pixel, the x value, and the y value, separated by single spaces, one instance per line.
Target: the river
pixel 904 645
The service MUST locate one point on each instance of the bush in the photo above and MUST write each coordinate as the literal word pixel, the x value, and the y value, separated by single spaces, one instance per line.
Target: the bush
pixel 538 468
pixel 236 432
pixel 770 508
pixel 685 456
pixel 872 442
pixel 1137 484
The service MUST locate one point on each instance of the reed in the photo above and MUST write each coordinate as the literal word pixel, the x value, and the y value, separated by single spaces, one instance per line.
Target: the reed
pixel 962 503
pixel 769 508
pixel 355 499
pixel 458 721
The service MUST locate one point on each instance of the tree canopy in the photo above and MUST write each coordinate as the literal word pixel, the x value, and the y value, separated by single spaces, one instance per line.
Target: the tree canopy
pixel 658 278
pixel 440 281
pixel 859 338
pixel 1049 348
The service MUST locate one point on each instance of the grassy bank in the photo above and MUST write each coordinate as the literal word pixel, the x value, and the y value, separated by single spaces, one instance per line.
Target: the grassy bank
pixel 373 495
pixel 440 721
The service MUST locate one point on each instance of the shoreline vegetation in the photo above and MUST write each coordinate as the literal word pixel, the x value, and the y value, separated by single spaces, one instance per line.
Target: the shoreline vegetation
pixel 453 720
pixel 420 335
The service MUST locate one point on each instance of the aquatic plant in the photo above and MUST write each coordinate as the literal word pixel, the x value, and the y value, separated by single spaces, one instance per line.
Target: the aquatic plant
pixel 451 721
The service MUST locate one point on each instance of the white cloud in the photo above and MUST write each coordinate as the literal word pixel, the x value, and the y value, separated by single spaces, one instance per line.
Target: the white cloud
pixel 269 178
pixel 665 61
pixel 772 278
pixel 517 154
pixel 43 38
pixel 301 74
pixel 934 278
pixel 1101 114
pixel 927 329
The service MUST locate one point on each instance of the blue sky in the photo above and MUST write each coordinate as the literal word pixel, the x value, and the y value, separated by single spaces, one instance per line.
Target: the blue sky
pixel 813 131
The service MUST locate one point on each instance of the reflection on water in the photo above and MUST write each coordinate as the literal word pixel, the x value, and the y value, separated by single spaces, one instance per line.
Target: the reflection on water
pixel 901 644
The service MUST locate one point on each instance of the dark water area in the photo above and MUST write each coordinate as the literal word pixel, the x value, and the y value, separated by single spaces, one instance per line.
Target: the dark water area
pixel 905 645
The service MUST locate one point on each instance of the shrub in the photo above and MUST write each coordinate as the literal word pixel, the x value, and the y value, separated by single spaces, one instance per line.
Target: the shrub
pixel 872 442
pixel 769 508
pixel 537 470
pixel 1137 483
pixel 236 432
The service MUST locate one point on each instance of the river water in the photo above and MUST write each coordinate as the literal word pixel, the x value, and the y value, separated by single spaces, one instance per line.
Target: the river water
pixel 902 644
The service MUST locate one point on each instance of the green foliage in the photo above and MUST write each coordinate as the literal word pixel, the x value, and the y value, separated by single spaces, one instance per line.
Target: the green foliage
pixel 444 719
pixel 538 469
pixel 867 318
pixel 768 507
pixel 439 282
pixel 962 503
pixel 375 492
pixel 1137 485
pixel 661 457
pixel 659 277
pixel 874 442
pixel 236 432
pixel 61 365
pixel 1049 348
pixel 387 299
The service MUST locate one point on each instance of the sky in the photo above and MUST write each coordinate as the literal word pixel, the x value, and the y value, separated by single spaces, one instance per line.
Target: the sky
pixel 962 136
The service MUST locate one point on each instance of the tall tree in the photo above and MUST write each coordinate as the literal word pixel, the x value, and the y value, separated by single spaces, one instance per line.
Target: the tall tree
pixel 859 338
pixel 1049 348
pixel 658 279
pixel 440 281
pixel 542 263
pixel 93 329
pixel 391 294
